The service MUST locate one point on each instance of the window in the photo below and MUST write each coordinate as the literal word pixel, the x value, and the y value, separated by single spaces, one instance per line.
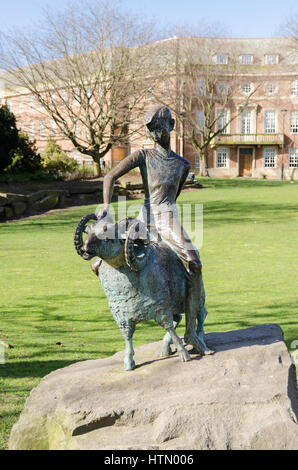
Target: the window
pixel 222 158
pixel 31 130
pixel 294 88
pixel 271 59
pixel 76 98
pixel 269 157
pixel 222 88
pixel 76 128
pixel 42 127
pixel 222 120
pixel 293 158
pixel 246 124
pixel 294 122
pixel 270 122
pixel 135 122
pixel 200 118
pixel 246 59
pixel 197 161
pixel 149 92
pixel 41 101
pixel 21 106
pixel 221 59
pixel 53 128
pixel 22 127
pixel 32 102
pixel 64 96
pixel 247 88
pixel 164 87
pixel 270 88
pixel 201 86
pixel 9 105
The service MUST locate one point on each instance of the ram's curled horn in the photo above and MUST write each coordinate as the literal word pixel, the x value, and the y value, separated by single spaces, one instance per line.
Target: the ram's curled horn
pixel 137 240
pixel 83 228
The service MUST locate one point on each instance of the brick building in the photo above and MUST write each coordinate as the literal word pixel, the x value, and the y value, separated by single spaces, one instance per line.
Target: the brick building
pixel 262 141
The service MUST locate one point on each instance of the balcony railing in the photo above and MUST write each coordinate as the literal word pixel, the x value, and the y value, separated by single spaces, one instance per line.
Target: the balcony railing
pixel 248 139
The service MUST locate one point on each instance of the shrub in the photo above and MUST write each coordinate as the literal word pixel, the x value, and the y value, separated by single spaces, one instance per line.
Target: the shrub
pixel 26 159
pixel 56 162
pixel 17 153
pixel 9 137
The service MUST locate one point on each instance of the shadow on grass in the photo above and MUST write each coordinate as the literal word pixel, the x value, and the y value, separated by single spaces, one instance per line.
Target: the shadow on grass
pixel 216 212
pixel 227 183
pixel 236 317
pixel 33 369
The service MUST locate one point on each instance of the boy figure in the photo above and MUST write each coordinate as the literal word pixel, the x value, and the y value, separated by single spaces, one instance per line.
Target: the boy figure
pixel 164 173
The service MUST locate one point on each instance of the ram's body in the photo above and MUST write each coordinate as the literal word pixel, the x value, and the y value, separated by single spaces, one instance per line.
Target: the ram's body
pixel 142 281
pixel 158 289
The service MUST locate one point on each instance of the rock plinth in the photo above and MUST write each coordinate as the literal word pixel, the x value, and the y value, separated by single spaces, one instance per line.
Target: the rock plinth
pixel 243 397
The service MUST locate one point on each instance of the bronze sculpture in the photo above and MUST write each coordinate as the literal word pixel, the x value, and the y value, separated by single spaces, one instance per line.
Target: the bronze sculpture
pixel 163 173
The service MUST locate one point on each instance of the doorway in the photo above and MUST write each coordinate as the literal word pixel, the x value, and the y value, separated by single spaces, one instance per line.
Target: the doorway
pixel 245 161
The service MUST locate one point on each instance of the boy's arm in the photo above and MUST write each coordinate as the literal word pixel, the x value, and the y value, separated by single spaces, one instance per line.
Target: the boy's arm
pixel 127 164
pixel 182 180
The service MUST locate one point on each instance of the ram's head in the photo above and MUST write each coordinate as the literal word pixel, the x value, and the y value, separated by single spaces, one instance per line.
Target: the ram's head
pixel 109 241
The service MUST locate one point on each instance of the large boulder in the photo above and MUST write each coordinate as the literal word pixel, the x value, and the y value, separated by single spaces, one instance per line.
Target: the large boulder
pixel 243 397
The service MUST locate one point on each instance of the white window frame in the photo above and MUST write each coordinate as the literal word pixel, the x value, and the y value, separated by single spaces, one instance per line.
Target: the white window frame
pixel 200 119
pixel 22 127
pixel 294 88
pixel 247 88
pixel 225 117
pixel 76 125
pixel 244 127
pixel 293 158
pixel 222 157
pixel 21 104
pixel 271 59
pixel 270 88
pixel 64 96
pixel 270 123
pixel 246 59
pixel 197 161
pixel 201 86
pixel 32 102
pixel 222 59
pixel 269 160
pixel 294 122
pixel 9 105
pixel 76 98
pixel 32 130
pixel 53 128
pixel 42 129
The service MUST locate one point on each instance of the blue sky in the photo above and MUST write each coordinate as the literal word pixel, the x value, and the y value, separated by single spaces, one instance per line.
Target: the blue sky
pixel 251 18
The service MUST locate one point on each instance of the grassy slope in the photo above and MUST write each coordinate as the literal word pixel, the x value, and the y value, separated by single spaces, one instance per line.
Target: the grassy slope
pixel 49 295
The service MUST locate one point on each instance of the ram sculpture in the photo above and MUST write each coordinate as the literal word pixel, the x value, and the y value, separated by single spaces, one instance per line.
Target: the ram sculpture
pixel 143 280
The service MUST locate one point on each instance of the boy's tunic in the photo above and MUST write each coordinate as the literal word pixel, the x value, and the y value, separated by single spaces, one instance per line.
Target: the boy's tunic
pixel 163 175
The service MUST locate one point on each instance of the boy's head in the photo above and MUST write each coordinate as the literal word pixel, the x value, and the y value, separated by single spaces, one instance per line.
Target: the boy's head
pixel 159 124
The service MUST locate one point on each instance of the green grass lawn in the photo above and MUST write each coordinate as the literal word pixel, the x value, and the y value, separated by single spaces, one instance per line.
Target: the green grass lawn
pixel 49 295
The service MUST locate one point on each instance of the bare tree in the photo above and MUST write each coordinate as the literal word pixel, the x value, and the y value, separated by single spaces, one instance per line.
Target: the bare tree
pixel 88 69
pixel 201 91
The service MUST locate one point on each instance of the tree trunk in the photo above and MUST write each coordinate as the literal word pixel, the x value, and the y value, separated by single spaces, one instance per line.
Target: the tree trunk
pixel 204 163
pixel 96 169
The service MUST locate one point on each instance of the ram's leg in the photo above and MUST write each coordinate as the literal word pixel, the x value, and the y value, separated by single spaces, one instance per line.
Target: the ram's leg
pixel 167 340
pixel 166 321
pixel 201 319
pixel 192 304
pixel 183 353
pixel 128 329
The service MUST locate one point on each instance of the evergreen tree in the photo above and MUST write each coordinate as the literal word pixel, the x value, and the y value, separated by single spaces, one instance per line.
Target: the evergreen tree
pixel 9 137
pixel 17 153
